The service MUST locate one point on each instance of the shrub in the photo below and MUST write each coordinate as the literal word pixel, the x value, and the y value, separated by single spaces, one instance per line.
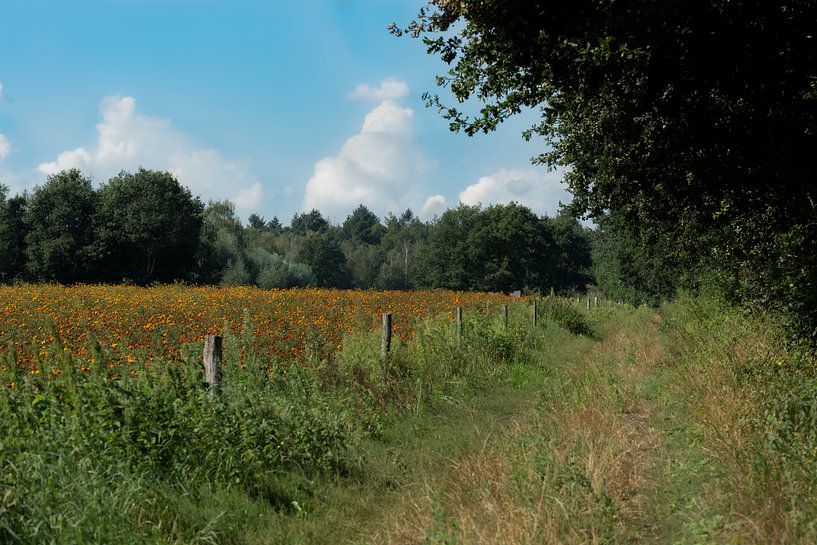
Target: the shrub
pixel 566 316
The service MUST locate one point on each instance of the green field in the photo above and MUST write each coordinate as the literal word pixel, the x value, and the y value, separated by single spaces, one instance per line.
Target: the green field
pixel 692 423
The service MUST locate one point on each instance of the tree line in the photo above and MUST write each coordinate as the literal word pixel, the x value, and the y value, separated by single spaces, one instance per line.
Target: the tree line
pixel 144 227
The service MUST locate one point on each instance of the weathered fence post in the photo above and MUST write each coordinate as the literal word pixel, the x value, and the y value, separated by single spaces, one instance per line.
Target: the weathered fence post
pixel 459 322
pixel 505 315
pixel 385 345
pixel 535 317
pixel 212 363
pixel 552 292
pixel 596 301
pixel 588 303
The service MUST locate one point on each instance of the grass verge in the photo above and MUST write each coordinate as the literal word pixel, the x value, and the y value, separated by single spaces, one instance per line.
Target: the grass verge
pixel 692 424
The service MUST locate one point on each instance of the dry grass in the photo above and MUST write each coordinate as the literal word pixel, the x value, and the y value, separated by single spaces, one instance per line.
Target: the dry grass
pixel 577 471
pixel 728 375
pixel 657 436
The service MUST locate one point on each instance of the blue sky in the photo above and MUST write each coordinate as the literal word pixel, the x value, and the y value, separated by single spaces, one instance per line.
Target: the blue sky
pixel 277 106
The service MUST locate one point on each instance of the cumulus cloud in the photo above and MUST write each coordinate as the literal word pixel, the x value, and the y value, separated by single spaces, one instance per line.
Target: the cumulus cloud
pixel 390 118
pixel 249 198
pixel 433 206
pixel 379 167
pixel 390 88
pixel 76 158
pixel 127 140
pixel 5 147
pixel 539 191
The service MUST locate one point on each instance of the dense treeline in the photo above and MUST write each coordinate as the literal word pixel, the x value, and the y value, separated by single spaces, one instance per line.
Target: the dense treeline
pixel 144 227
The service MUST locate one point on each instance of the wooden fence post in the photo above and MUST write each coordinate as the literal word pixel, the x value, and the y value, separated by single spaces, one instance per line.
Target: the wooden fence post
pixel 459 322
pixel 588 303
pixel 212 363
pixel 596 301
pixel 535 317
pixel 505 315
pixel 385 345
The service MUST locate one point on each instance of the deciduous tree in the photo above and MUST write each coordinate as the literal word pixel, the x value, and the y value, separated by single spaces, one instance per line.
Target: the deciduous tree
pixel 694 122
pixel 149 226
pixel 60 221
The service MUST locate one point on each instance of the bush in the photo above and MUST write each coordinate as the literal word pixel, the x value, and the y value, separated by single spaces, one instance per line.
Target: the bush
pixel 566 316
pixel 276 272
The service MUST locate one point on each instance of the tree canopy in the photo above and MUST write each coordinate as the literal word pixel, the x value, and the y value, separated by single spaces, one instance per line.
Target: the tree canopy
pixel 12 235
pixel 692 121
pixel 60 223
pixel 363 225
pixel 149 226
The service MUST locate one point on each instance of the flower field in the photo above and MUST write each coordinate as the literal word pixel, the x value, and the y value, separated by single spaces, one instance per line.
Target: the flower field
pixel 135 326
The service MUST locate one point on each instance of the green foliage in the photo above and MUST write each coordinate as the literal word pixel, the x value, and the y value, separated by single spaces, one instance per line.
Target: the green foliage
pixel 693 124
pixel 148 225
pixel 60 220
pixel 276 272
pixel 726 352
pixel 12 235
pixel 236 273
pixel 401 244
pixel 144 227
pixel 445 259
pixel 397 269
pixel 510 248
pixel 308 222
pixel 256 222
pixel 565 315
pixel 629 270
pixel 362 225
pixel 503 248
pixel 323 254
pixel 85 453
pixel 221 242
pixel 364 263
pixel 573 244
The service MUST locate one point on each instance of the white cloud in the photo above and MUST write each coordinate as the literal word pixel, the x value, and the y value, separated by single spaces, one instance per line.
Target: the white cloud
pixel 77 158
pixel 127 140
pixel 388 117
pixel 1 91
pixel 433 206
pixel 249 198
pixel 5 147
pixel 379 167
pixel 390 88
pixel 539 191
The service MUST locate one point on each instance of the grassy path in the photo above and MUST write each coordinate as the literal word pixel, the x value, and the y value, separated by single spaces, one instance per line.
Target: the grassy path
pixel 563 449
pixel 450 453
pixel 618 439
pixel 589 446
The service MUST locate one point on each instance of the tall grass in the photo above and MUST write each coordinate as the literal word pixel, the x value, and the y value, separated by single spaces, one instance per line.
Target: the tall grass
pixel 85 453
pixel 695 424
pixel 753 399
pixel 103 455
